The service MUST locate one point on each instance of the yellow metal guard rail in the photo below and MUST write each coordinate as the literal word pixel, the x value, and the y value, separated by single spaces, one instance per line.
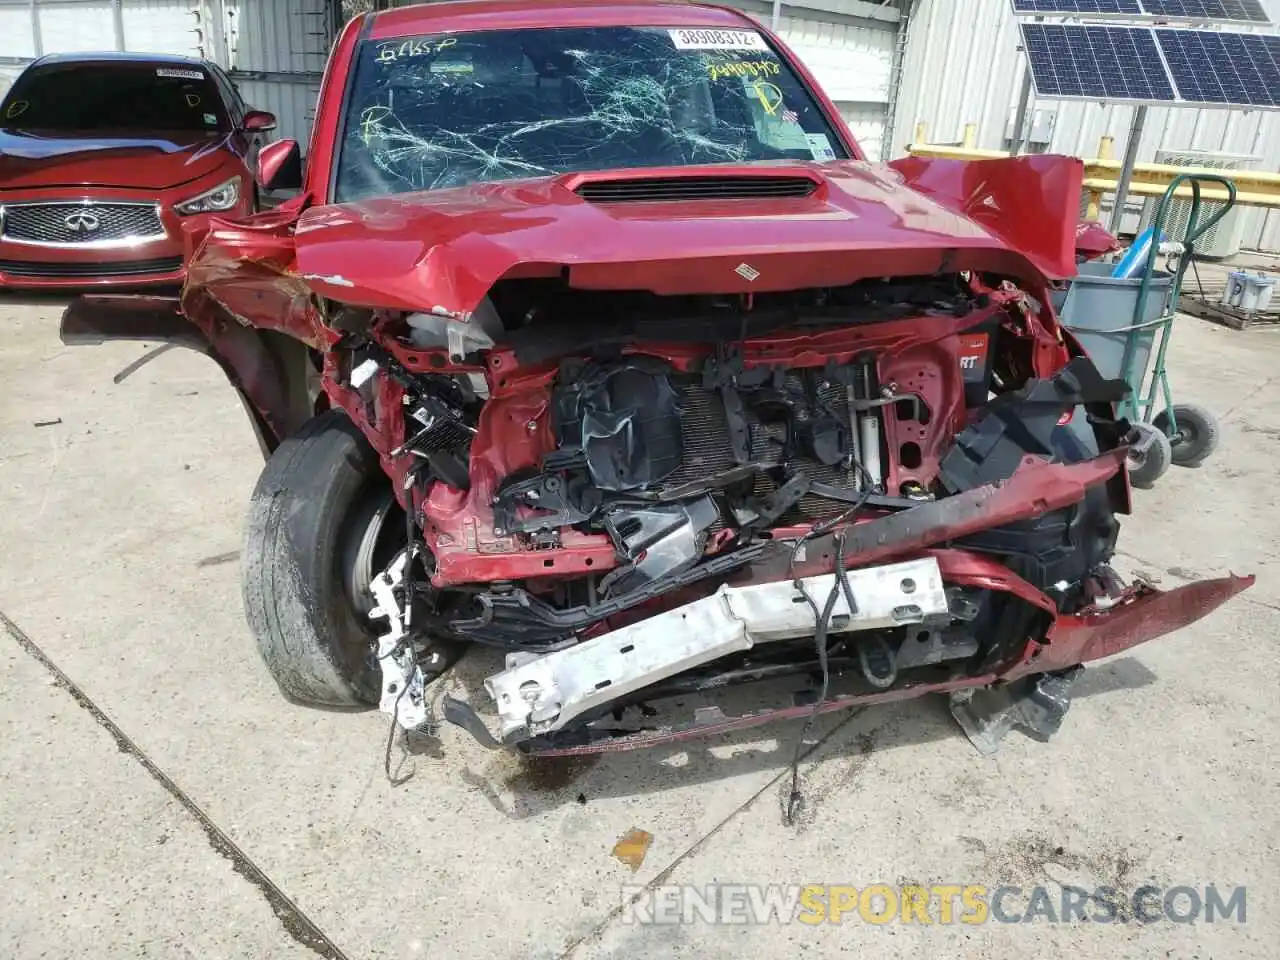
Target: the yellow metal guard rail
pixel 1254 188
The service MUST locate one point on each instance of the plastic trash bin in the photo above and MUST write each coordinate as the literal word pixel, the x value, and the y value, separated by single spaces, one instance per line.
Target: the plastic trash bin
pixel 1099 310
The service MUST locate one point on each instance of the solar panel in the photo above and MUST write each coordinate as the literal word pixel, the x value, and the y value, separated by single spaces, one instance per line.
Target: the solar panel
pixel 1241 69
pixel 1096 63
pixel 1081 8
pixel 1242 11
pixel 1245 11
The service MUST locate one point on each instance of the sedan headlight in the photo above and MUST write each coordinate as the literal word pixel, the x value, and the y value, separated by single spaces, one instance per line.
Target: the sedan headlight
pixel 222 197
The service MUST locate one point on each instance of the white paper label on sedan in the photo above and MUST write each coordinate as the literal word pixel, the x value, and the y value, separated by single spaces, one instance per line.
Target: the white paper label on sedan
pixel 179 74
pixel 701 39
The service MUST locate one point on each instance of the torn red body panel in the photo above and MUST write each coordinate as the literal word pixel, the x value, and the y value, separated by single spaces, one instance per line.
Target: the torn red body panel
pixel 1143 614
pixel 1094 240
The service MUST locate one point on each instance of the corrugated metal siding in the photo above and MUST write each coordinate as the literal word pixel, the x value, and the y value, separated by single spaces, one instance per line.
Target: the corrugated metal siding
pixel 866 120
pixel 963 66
pixel 278 52
pixel 16 36
pixel 71 27
pixel 161 26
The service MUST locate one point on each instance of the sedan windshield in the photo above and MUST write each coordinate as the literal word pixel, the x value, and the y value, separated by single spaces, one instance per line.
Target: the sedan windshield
pixel 453 109
pixel 86 97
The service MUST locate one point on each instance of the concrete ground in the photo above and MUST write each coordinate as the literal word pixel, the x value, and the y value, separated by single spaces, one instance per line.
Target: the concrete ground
pixel 159 799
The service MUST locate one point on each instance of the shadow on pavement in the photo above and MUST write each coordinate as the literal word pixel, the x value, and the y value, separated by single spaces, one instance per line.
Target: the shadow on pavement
pixel 520 787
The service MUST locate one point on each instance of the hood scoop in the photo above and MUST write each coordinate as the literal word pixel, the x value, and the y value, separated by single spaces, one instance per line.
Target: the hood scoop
pixel 700 187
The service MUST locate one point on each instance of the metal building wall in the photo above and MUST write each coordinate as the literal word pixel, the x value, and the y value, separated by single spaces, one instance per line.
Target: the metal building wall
pixel 17 39
pixel 276 53
pixel 963 65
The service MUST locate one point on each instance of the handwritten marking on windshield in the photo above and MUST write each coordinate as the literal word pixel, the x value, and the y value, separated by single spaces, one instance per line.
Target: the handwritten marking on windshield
pixel 743 68
pixel 17 109
pixel 395 50
pixel 370 121
pixel 769 95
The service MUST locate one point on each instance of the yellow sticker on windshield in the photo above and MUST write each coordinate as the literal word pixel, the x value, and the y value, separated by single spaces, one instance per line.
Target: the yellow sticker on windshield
pixel 769 94
pixel 17 109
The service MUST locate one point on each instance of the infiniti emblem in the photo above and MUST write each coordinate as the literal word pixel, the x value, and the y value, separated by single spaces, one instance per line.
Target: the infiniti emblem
pixel 81 221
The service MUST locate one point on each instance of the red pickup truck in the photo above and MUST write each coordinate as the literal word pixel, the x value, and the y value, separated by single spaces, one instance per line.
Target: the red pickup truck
pixel 592 337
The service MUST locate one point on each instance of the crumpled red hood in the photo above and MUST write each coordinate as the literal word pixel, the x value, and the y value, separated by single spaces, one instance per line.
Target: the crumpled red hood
pixel 446 248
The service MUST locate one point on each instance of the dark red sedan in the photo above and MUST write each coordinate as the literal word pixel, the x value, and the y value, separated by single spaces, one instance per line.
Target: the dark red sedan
pixel 105 156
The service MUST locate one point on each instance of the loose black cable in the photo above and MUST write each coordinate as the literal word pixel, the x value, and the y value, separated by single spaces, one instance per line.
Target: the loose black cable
pixel 391 737
pixel 822 621
pixel 795 799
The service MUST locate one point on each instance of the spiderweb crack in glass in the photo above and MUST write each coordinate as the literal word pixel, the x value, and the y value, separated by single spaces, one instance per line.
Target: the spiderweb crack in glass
pixel 528 103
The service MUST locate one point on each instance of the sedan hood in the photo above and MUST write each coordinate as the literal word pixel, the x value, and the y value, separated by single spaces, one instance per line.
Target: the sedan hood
pixel 446 248
pixel 30 159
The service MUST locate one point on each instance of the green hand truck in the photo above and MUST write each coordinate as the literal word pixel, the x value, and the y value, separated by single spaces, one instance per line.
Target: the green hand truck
pixel 1134 350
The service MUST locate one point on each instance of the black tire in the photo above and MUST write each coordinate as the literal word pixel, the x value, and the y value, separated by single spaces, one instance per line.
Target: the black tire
pixel 1148 467
pixel 312 493
pixel 1197 435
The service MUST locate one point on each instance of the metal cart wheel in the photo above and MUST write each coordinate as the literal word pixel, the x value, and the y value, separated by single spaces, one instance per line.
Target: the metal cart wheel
pixel 1149 455
pixel 1192 431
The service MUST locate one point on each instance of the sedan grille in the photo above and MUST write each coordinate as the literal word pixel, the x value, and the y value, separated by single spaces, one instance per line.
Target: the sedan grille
pixel 75 223
pixel 128 268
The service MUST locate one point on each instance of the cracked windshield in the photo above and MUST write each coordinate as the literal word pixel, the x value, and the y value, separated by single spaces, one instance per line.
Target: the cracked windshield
pixel 445 111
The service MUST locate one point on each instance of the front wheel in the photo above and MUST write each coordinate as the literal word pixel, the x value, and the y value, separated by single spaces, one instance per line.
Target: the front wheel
pixel 322 522
pixel 1150 455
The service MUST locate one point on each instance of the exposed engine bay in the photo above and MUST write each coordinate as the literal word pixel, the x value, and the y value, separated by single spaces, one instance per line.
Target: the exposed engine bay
pixel 689 495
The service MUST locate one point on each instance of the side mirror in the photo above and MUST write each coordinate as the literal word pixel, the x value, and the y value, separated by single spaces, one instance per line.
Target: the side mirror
pixel 259 121
pixel 280 166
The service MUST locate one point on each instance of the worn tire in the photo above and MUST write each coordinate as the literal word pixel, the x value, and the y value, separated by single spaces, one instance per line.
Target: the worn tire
pixel 1197 435
pixel 313 641
pixel 1146 469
